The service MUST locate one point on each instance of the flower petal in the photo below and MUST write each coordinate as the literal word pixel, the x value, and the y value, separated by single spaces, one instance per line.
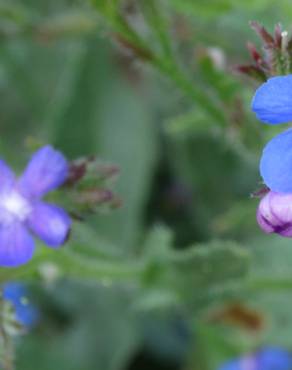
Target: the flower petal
pixel 264 224
pixel 265 217
pixel 272 101
pixel 276 163
pixel 50 223
pixel 46 171
pixel 231 365
pixel 274 214
pixel 281 207
pixel 16 245
pixel 274 358
pixel 241 363
pixel 7 177
pixel 267 358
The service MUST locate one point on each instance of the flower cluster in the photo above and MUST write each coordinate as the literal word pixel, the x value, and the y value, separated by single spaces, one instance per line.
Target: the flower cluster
pixel 275 57
pixel 22 210
pixel 269 358
pixel 272 104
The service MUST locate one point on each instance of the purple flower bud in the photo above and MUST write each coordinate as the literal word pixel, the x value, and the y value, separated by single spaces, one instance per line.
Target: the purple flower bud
pixel 274 213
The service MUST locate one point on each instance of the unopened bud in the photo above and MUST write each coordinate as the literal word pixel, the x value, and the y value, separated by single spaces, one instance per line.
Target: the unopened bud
pixel 263 33
pixel 274 213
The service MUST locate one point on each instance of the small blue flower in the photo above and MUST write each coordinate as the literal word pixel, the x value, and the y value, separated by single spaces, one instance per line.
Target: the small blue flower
pixel 269 358
pixel 272 101
pixel 272 104
pixel 22 209
pixel 26 313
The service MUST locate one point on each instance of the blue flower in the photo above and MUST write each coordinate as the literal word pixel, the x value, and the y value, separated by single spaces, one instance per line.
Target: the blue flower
pixel 22 210
pixel 26 313
pixel 272 101
pixel 272 104
pixel 269 358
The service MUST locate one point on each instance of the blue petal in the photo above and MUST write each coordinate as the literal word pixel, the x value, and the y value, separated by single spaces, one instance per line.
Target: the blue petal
pixel 272 101
pixel 271 358
pixel 16 245
pixel 26 313
pixel 50 223
pixel 7 177
pixel 276 163
pixel 46 171
pixel 231 365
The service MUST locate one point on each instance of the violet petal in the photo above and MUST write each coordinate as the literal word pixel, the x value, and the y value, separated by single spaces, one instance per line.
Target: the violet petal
pixel 46 170
pixel 16 245
pixel 50 223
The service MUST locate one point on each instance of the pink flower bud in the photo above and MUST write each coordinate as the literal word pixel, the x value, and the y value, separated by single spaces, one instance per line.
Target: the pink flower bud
pixel 274 213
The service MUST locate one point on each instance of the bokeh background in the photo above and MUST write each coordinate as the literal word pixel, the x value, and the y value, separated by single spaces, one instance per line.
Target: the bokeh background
pixel 169 110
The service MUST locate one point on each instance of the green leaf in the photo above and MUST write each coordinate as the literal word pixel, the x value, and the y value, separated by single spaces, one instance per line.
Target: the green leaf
pixel 101 115
pixel 77 100
pixel 158 22
pixel 195 121
pixel 211 264
pixel 200 275
pixel 269 287
pixel 99 330
pixel 212 8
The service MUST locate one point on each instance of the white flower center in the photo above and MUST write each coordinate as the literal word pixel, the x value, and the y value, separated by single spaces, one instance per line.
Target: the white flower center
pixel 15 205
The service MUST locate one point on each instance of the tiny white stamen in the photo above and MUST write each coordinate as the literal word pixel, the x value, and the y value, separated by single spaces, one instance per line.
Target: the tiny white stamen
pixel 285 40
pixel 284 34
pixel 16 205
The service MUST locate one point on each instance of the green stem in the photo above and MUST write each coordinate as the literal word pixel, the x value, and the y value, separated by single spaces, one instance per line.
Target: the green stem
pixel 7 351
pixel 173 72
pixel 167 66
pixel 272 284
pixel 74 265
pixel 158 24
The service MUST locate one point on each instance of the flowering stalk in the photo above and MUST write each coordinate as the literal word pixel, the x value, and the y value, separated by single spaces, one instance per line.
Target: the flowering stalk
pixel 164 62
pixel 272 105
pixel 87 188
pixel 23 212
pixel 275 58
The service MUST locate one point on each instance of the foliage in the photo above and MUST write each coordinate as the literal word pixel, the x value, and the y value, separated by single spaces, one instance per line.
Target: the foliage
pixel 141 93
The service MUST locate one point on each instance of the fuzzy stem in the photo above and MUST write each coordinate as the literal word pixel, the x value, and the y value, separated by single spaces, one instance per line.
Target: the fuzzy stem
pixel 7 360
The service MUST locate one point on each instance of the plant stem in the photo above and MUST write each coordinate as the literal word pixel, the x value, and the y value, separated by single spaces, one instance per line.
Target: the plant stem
pixel 7 351
pixel 167 66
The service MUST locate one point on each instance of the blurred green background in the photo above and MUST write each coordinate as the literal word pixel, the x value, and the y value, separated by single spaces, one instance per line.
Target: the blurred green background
pixel 180 276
